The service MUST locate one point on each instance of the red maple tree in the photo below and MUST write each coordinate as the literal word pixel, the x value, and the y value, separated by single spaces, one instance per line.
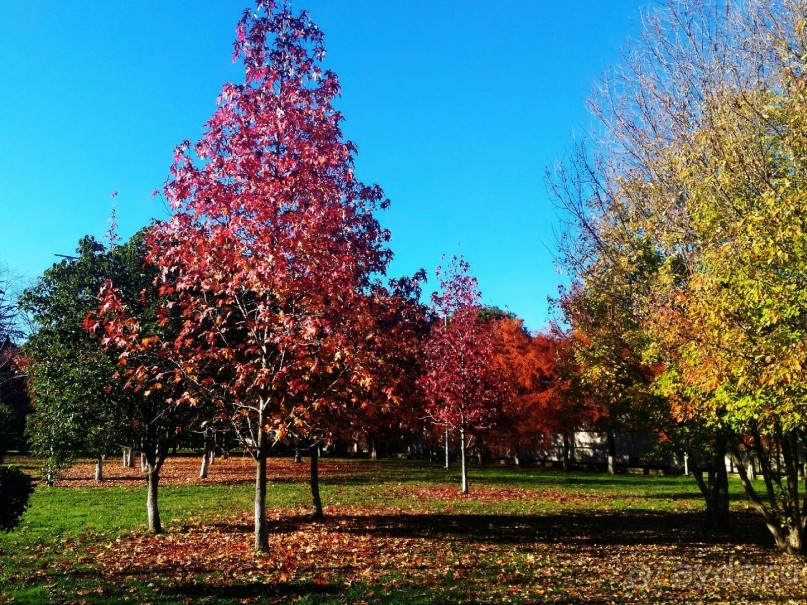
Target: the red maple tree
pixel 461 384
pixel 272 245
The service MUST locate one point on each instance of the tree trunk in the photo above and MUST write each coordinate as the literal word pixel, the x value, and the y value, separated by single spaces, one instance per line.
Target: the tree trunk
pixel 611 440
pixel 205 464
pixel 261 525
pixel 143 463
pixel 789 537
pixel 152 510
pixel 99 468
pixel 566 455
pixel 715 489
pixel 127 456
pixel 212 456
pixel 298 453
pixel 316 501
pixel 373 451
pixel 447 448
pixel 463 456
pixel 721 487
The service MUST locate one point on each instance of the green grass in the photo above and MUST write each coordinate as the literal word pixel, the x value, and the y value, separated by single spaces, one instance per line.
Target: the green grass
pixel 397 532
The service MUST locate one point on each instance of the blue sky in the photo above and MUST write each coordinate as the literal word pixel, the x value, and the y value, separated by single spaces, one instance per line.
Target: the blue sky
pixel 457 108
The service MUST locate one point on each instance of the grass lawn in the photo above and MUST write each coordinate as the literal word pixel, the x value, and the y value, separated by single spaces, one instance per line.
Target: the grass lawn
pixel 396 532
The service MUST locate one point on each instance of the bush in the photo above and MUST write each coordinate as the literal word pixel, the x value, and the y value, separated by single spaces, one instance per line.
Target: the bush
pixel 15 491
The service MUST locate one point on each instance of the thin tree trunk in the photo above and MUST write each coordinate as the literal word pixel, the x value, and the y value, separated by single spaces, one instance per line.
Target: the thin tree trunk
pixel 261 533
pixel 721 487
pixel 611 440
pixel 788 539
pixel 298 453
pixel 566 451
pixel 373 451
pixel 99 468
pixel 212 456
pixel 261 525
pixel 463 455
pixel 127 455
pixel 205 464
pixel 143 462
pixel 152 509
pixel 447 448
pixel 316 501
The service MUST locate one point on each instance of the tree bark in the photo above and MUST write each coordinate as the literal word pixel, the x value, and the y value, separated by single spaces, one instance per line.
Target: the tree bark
pixel 373 451
pixel 99 468
pixel 298 454
pixel 788 538
pixel 152 509
pixel 566 451
pixel 261 524
pixel 463 455
pixel 205 464
pixel 611 441
pixel 316 501
pixel 447 448
pixel 715 488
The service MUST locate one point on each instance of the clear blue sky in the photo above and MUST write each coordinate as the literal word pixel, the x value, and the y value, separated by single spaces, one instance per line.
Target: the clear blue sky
pixel 457 108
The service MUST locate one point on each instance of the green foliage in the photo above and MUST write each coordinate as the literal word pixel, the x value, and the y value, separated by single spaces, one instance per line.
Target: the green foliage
pixel 15 491
pixel 69 373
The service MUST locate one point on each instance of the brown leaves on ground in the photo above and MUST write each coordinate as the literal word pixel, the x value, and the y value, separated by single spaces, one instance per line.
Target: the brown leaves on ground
pixel 596 558
pixel 184 470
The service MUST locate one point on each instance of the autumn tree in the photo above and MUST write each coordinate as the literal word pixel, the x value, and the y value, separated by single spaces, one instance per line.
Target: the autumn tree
pixel 531 417
pixel 401 323
pixel 700 165
pixel 463 388
pixel 272 246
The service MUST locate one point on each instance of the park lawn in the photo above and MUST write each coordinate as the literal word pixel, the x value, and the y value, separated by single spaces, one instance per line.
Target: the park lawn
pixel 396 532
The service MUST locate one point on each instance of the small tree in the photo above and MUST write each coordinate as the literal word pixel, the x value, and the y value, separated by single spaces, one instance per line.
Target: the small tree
pixel 461 384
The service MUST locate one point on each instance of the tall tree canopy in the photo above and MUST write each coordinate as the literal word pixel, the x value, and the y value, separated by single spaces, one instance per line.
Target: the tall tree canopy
pixel 690 209
pixel 273 245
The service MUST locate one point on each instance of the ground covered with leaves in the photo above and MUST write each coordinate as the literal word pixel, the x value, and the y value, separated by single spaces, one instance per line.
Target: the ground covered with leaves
pixel 395 532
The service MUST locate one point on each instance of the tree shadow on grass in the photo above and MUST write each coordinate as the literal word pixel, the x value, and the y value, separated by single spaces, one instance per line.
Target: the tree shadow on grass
pixel 287 592
pixel 586 529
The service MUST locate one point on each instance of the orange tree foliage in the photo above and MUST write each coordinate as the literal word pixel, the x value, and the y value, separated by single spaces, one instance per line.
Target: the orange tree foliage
pixel 272 247
pixel 534 414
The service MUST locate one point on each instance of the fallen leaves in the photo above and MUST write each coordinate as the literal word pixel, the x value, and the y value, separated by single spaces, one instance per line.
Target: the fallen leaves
pixel 493 558
pixel 184 470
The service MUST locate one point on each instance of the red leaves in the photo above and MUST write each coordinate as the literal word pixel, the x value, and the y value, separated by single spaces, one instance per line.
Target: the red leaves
pixel 461 382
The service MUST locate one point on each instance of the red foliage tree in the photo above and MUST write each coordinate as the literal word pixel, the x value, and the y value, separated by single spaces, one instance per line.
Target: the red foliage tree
pixel 461 384
pixel 272 245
